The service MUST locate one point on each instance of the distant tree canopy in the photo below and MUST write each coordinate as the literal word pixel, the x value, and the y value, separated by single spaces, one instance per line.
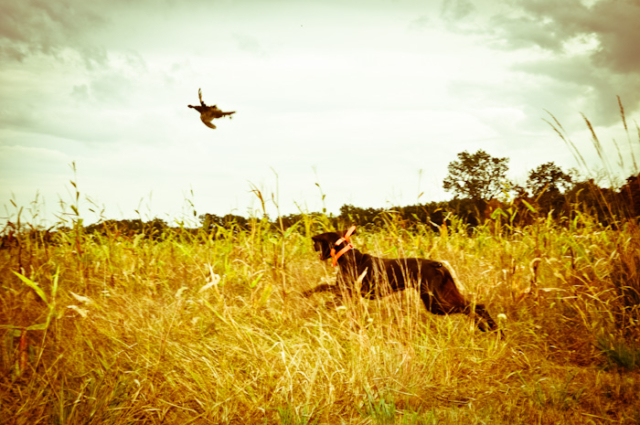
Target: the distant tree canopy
pixel 210 220
pixel 477 176
pixel 547 184
pixel 631 191
pixel 474 179
pixel 549 178
pixel 152 228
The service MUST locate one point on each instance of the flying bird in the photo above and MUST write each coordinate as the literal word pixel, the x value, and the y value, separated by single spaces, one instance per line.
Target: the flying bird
pixel 209 113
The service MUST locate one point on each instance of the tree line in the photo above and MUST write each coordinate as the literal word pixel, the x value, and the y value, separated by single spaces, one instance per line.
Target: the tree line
pixel 480 188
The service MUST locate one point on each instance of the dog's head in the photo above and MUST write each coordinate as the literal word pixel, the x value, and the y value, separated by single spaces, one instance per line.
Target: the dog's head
pixel 324 242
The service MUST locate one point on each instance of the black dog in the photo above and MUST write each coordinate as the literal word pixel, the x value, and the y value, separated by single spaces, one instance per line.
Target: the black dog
pixel 380 277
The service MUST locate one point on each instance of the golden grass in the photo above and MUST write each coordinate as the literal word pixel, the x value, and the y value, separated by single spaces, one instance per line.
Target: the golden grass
pixel 195 329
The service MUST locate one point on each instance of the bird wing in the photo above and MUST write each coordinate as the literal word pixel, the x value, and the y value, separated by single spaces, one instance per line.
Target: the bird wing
pixel 200 97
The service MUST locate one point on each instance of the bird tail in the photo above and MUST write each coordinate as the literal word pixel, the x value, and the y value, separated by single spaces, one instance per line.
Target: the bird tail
pixel 210 125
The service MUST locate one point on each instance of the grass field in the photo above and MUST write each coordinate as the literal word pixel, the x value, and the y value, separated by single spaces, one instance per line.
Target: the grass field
pixel 187 328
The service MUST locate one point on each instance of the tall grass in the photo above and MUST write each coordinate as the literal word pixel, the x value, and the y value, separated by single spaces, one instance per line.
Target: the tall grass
pixel 191 328
pixel 210 327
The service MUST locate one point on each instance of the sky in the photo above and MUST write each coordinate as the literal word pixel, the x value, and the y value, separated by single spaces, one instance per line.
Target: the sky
pixel 338 102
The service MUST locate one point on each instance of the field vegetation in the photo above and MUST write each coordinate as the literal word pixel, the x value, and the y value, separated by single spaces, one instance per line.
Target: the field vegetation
pixel 207 324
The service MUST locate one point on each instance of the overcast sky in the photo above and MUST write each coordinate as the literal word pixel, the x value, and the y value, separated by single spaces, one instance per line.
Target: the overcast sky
pixel 369 99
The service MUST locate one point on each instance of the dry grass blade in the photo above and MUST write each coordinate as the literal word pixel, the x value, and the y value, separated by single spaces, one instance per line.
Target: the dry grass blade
pixel 572 148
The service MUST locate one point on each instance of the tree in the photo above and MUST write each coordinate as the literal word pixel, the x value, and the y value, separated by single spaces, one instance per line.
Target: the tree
pixel 477 176
pixel 630 194
pixel 548 178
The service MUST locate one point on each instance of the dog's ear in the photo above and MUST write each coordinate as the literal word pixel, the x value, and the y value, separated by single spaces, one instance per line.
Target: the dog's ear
pixel 319 241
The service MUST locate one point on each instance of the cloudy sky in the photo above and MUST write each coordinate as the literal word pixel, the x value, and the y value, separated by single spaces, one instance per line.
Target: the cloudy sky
pixel 369 99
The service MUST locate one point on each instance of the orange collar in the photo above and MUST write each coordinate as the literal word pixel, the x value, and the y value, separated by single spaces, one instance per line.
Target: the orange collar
pixel 340 253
